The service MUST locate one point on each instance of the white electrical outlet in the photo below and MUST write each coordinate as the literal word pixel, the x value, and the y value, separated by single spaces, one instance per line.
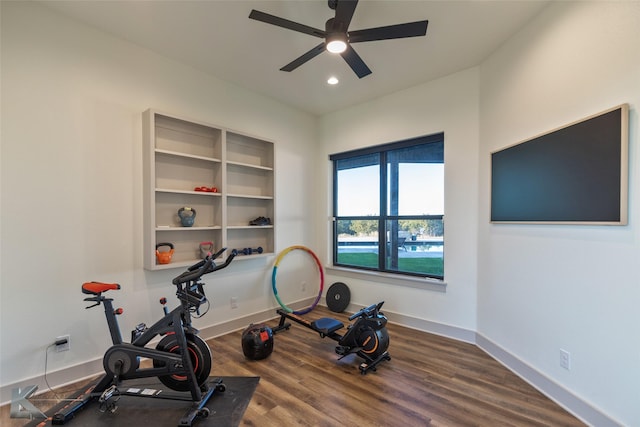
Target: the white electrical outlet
pixel 65 343
pixel 303 286
pixel 565 359
pixel 234 302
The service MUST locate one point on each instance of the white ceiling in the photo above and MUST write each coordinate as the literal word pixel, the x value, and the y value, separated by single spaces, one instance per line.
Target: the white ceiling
pixel 217 37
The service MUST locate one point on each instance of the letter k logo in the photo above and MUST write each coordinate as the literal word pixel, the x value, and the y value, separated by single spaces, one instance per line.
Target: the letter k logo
pixel 21 407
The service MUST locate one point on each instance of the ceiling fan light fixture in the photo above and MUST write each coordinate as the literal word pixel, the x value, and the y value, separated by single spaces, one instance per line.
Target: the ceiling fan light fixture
pixel 336 43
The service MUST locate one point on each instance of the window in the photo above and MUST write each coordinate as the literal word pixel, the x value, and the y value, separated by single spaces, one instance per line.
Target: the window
pixel 388 207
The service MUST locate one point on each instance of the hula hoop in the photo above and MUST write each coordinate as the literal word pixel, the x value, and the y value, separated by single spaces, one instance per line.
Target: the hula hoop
pixel 275 271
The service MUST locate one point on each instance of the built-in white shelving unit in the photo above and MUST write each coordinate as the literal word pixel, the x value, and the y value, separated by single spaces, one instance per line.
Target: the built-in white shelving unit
pixel 181 155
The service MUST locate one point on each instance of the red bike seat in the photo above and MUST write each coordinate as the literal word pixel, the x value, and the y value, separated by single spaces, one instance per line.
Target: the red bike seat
pixel 95 288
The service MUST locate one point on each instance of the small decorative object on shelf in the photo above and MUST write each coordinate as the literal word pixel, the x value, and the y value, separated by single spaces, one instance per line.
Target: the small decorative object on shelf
pixel 165 256
pixel 260 221
pixel 250 251
pixel 206 189
pixel 206 248
pixel 187 216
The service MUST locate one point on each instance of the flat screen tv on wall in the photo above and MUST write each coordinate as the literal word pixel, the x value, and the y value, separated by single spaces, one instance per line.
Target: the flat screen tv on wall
pixel 576 174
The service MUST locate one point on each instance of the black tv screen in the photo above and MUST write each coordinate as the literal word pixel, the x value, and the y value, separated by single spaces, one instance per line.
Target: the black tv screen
pixel 576 174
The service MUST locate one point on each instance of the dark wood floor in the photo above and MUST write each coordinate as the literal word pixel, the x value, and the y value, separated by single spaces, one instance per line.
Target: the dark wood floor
pixel 430 381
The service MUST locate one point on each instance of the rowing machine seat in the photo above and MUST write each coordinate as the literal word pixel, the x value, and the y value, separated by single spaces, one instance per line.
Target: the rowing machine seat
pixel 327 325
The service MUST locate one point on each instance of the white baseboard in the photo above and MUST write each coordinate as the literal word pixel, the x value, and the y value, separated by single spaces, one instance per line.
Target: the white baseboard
pixel 581 409
pixel 441 329
pixel 572 403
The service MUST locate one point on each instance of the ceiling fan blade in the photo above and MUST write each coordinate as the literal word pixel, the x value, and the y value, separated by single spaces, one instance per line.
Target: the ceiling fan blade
pixel 344 11
pixel 355 62
pixel 304 58
pixel 399 31
pixel 285 23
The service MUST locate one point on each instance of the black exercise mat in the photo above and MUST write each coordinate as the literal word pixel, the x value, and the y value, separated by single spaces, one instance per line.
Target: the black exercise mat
pixel 226 408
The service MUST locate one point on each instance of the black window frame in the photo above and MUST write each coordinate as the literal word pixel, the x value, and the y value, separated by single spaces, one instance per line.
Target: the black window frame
pixel 384 216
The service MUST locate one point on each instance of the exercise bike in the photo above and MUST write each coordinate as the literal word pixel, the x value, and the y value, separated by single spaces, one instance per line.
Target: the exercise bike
pixel 181 359
pixel 367 337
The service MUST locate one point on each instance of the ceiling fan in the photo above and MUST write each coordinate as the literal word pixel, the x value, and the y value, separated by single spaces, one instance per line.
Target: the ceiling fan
pixel 338 38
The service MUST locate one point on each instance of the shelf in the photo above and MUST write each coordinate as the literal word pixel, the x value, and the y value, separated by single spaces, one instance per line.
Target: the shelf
pixel 195 193
pixel 221 260
pixel 188 156
pixel 213 227
pixel 244 237
pixel 183 264
pixel 249 182
pixel 180 155
pixel 250 196
pixel 248 151
pixel 247 165
pixel 176 135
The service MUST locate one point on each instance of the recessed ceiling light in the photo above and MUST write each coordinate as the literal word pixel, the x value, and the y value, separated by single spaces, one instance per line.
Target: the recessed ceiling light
pixel 333 80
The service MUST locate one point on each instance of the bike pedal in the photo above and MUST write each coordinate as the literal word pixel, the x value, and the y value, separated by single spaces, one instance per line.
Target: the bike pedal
pixel 108 394
pixel 105 399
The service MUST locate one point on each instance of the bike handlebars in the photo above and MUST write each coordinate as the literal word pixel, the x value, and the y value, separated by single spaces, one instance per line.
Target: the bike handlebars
pixel 203 267
pixel 212 257
pixel 370 311
pixel 213 267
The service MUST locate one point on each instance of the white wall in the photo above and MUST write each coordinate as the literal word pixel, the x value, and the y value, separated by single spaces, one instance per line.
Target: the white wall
pixel 543 288
pixel 72 190
pixel 448 105
pixel 72 99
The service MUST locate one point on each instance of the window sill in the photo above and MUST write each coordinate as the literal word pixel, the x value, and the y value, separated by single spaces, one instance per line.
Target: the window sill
pixel 391 279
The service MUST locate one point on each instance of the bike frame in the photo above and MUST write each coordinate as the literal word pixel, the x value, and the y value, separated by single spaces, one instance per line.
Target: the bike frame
pixel 178 322
pixel 126 356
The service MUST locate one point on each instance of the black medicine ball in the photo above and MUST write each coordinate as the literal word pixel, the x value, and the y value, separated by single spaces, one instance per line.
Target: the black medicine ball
pixel 257 342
